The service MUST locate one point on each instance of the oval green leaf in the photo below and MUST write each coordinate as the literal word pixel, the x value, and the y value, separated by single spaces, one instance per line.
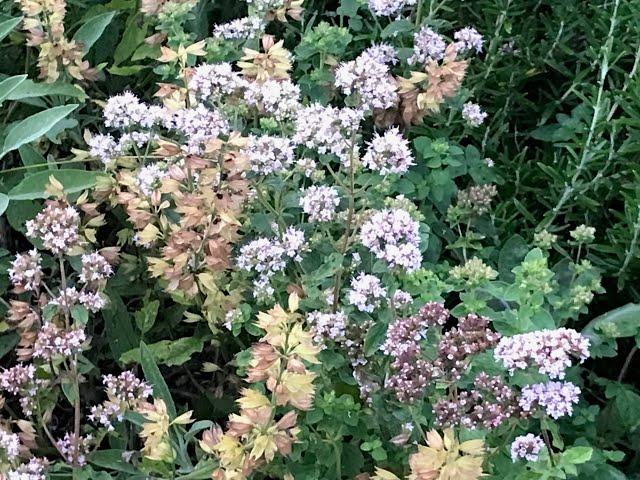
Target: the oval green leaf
pixel 8 25
pixel 92 30
pixel 33 127
pixel 8 85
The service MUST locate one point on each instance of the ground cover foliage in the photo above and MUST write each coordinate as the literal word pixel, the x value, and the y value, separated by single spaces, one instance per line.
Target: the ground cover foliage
pixel 286 239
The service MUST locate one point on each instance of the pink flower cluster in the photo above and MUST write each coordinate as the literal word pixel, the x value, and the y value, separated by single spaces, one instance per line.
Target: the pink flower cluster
pixel 388 153
pixel 366 292
pixel 320 202
pixel 393 236
pixel 551 351
pixel 53 341
pixel 556 398
pixel 25 272
pixel 57 226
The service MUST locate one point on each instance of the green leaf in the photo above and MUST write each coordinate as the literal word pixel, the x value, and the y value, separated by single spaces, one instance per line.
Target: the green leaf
pixel 33 127
pixel 8 85
pixel 8 25
pixel 80 314
pixel 396 27
pixel 146 317
pixel 73 181
pixel 92 30
pixel 154 377
pixel 7 342
pixel 119 330
pixel 112 460
pixel 576 455
pixel 374 338
pixel 4 203
pixel 132 38
pixel 30 157
pixel 31 89
pixel 168 352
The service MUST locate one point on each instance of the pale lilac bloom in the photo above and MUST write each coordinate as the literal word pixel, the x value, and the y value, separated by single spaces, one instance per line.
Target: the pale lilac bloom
pixel 366 292
pixel 526 447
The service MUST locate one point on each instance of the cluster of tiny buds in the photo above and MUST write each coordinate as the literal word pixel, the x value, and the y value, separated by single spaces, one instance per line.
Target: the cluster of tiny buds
pixel 411 373
pixel 470 337
pixel 489 404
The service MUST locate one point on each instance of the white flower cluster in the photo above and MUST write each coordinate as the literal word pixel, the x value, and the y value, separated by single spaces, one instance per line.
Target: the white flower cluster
pixel 279 98
pixel 473 114
pixel 267 256
pixel 93 301
pixel 149 177
pixel 382 53
pixel 427 46
pixel 125 111
pixel 389 8
pixel 328 327
pixel 213 82
pixel 468 39
pixel 124 392
pixel 34 469
pixel 268 154
pixel 366 292
pixel 388 153
pixel 9 445
pixel 369 80
pixel 74 449
pixel 197 124
pixel 526 447
pixel 240 29
pixel 551 351
pixel 329 130
pixel 25 272
pixel 320 202
pixel 393 236
pixel 263 6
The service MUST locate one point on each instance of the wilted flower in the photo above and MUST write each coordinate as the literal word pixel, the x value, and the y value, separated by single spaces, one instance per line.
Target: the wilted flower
pixel 445 458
